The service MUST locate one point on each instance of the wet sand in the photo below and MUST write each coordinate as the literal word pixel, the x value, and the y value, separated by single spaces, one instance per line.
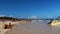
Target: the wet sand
pixel 34 28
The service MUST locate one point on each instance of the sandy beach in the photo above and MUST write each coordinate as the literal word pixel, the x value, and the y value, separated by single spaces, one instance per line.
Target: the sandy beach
pixel 34 28
pixel 2 23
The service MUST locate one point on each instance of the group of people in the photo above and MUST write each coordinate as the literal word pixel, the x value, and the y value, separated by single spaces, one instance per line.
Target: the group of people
pixel 8 26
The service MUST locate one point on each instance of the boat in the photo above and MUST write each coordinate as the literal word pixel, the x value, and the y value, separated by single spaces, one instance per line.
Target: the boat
pixel 55 22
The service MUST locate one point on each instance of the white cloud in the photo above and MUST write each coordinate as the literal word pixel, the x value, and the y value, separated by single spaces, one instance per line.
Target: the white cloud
pixel 33 16
pixel 49 16
pixel 11 16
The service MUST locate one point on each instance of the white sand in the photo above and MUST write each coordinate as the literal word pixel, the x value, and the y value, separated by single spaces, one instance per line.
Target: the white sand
pixel 3 31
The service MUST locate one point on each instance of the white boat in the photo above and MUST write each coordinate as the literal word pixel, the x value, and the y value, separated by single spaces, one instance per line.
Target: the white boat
pixel 55 22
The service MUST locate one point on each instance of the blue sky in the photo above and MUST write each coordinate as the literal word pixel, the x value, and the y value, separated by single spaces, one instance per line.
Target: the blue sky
pixel 24 8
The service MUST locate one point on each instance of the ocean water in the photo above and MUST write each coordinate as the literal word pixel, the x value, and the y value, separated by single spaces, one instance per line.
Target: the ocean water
pixel 35 28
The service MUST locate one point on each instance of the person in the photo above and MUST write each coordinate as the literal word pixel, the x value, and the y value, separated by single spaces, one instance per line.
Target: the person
pixel 10 25
pixel 6 26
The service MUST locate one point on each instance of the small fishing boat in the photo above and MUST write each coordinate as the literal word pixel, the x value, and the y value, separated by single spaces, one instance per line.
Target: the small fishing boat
pixel 55 22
